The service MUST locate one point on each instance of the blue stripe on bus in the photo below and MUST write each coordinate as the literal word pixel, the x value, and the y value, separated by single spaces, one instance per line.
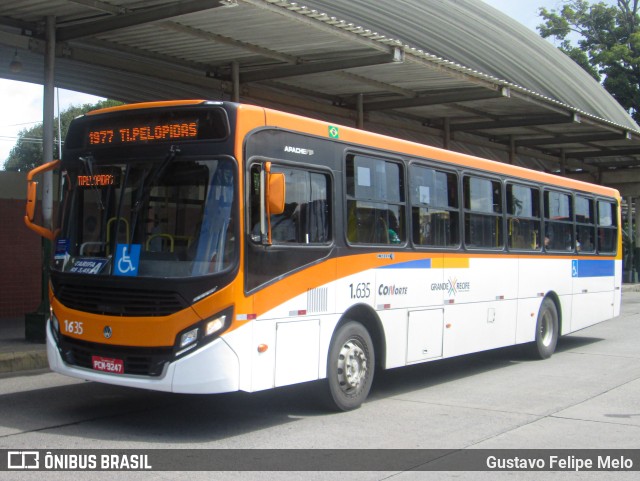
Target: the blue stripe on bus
pixel 592 268
pixel 418 264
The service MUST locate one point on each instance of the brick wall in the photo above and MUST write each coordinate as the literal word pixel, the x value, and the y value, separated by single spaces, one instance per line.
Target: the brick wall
pixel 20 251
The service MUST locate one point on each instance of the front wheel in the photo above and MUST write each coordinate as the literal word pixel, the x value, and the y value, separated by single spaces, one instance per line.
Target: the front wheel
pixel 350 366
pixel 547 331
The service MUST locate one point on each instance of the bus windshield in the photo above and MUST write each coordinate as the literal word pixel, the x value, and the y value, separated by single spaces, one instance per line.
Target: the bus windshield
pixel 165 217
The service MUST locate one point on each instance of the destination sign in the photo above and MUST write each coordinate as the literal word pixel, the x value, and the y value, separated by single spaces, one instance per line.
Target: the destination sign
pixel 131 134
pixel 99 180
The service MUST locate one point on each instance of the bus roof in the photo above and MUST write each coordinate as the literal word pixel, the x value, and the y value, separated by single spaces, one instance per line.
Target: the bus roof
pixel 371 139
pixel 365 138
pixel 147 105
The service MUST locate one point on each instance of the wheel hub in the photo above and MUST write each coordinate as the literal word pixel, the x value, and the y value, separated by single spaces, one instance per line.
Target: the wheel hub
pixel 546 329
pixel 352 365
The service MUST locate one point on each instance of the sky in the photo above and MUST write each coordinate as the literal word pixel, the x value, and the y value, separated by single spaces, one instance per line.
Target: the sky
pixel 525 11
pixel 22 102
pixel 22 109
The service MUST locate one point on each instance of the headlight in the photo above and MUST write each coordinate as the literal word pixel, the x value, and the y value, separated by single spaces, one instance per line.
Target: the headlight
pixel 214 325
pixel 189 338
pixel 202 332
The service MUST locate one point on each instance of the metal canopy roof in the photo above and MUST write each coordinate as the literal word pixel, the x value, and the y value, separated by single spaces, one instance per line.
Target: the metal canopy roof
pixel 454 73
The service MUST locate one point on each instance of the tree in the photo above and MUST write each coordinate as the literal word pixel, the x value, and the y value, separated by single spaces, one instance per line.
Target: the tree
pixel 608 44
pixel 27 153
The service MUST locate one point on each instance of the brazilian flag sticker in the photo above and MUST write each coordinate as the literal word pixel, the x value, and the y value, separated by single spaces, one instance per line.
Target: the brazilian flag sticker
pixel 334 132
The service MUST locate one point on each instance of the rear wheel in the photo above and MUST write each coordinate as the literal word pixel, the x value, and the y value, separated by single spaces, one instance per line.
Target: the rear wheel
pixel 350 366
pixel 547 331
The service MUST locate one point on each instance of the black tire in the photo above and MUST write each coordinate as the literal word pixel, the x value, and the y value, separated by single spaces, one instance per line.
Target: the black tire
pixel 547 331
pixel 350 366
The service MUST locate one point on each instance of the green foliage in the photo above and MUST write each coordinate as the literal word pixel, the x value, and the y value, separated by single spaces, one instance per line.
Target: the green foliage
pixel 608 44
pixel 27 153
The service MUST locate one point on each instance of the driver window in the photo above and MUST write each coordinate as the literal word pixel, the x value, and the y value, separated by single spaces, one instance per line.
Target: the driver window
pixel 305 219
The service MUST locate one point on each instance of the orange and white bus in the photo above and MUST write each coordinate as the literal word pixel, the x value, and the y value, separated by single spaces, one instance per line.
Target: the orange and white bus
pixel 208 247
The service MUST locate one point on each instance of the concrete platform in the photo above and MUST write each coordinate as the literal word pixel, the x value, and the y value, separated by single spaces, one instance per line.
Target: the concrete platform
pixel 16 353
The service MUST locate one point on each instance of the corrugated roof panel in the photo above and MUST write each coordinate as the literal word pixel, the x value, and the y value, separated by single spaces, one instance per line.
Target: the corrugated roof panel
pixel 474 34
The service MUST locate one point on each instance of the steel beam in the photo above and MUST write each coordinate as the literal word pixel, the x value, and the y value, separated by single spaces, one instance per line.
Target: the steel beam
pixel 394 56
pixel 138 17
pixel 507 123
pixel 576 139
pixel 606 153
pixel 450 96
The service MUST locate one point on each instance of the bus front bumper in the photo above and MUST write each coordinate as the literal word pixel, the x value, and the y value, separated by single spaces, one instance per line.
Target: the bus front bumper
pixel 211 369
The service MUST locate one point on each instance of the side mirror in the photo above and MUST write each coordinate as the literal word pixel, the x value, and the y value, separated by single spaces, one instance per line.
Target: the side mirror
pixel 32 195
pixel 272 187
pixel 276 193
pixel 32 187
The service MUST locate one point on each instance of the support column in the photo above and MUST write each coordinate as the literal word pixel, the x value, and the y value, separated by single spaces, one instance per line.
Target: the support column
pixel 47 121
pixel 446 130
pixel 360 111
pixel 636 250
pixel 35 322
pixel 235 78
pixel 630 257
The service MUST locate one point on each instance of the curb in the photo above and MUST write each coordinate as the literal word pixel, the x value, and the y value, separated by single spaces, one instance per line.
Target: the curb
pixel 23 361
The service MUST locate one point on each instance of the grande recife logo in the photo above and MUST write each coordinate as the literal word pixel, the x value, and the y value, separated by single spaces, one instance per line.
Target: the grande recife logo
pixel 452 286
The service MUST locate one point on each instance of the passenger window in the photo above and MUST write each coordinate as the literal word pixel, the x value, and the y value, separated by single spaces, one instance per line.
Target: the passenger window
pixel 558 226
pixel 585 225
pixel 607 227
pixel 434 207
pixel 375 201
pixel 483 213
pixel 523 217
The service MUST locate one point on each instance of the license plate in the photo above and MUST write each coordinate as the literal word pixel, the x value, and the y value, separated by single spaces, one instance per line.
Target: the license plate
pixel 105 364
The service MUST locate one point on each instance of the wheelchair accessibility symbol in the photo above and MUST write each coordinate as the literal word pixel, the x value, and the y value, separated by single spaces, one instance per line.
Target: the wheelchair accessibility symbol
pixel 127 259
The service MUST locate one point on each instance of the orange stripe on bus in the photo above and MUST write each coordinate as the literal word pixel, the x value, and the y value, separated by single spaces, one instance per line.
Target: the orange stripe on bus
pixel 450 263
pixel 338 268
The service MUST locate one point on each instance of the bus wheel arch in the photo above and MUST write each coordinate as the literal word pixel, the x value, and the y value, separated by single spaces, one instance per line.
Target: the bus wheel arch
pixel 351 359
pixel 366 316
pixel 556 299
pixel 548 328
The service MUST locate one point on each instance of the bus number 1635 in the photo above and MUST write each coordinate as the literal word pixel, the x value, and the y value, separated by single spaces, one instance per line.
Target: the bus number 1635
pixel 361 290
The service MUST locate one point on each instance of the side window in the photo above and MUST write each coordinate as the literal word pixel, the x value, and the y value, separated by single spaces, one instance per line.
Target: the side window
pixel 523 217
pixel 306 217
pixel 375 201
pixel 607 227
pixel 434 207
pixel 483 213
pixel 558 225
pixel 585 225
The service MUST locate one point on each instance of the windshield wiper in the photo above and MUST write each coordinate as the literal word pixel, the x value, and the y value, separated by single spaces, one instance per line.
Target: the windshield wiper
pixel 123 188
pixel 148 181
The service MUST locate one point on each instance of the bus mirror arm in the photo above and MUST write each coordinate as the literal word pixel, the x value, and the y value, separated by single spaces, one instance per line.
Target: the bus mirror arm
pixel 32 187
